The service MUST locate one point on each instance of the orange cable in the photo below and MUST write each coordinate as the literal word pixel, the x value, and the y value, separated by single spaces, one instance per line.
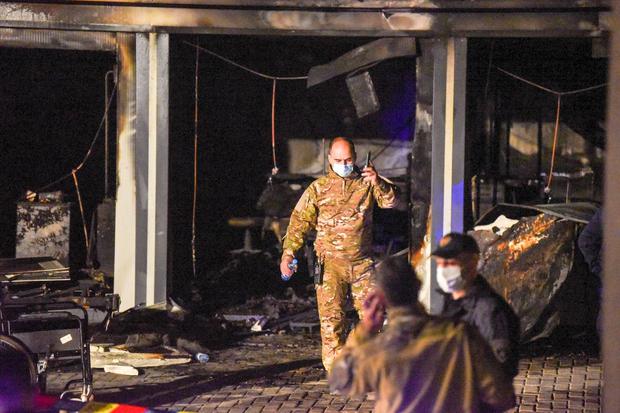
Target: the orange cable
pixel 77 190
pixel 555 141
pixel 273 128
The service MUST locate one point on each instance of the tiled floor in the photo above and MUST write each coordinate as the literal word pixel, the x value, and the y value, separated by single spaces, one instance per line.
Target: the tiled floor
pixel 282 373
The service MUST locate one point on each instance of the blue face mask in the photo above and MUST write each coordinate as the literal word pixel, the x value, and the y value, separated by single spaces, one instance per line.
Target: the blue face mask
pixel 343 170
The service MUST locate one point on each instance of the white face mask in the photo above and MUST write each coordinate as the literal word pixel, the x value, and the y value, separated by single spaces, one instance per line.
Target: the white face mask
pixel 449 278
pixel 342 169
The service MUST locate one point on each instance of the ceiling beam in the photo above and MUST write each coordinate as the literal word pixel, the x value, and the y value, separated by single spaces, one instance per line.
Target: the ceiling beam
pixel 125 17
pixel 361 5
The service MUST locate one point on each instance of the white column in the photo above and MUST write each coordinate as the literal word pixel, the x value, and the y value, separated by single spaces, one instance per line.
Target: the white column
pixel 157 243
pixel 130 232
pixel 140 264
pixel 448 149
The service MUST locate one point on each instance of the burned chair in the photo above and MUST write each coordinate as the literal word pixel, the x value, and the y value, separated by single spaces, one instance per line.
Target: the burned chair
pixel 51 323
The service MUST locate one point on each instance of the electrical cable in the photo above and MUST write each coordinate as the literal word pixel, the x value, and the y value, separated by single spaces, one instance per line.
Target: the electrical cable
pixel 529 82
pixel 90 148
pixel 195 164
pixel 106 135
pixel 274 171
pixel 247 69
pixel 559 95
pixel 79 196
pixel 555 141
pixel 546 89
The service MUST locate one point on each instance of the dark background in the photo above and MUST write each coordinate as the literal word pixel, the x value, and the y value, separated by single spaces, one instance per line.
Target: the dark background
pixel 52 103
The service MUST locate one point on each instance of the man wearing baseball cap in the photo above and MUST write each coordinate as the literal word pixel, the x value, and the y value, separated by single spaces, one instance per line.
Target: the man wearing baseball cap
pixel 470 298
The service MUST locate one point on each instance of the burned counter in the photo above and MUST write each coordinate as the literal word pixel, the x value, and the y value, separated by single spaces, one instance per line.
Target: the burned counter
pixel 529 256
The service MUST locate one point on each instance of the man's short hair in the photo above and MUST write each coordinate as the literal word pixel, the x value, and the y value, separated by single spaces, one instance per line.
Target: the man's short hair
pixel 398 281
pixel 341 138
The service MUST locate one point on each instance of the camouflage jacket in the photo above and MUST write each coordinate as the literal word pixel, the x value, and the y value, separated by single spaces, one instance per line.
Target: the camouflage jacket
pixel 422 364
pixel 340 209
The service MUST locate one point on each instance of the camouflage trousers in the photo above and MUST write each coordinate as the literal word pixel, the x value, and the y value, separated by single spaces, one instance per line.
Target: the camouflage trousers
pixel 331 296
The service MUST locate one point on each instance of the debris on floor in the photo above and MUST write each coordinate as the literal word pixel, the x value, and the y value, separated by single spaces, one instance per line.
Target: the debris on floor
pixel 169 334
pixel 160 335
pixel 119 357
pixel 121 369
pixel 272 314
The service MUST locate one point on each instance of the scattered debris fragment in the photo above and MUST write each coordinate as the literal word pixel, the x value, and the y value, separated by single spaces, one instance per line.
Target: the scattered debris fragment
pixel 119 356
pixel 121 369
pixel 156 336
pixel 272 314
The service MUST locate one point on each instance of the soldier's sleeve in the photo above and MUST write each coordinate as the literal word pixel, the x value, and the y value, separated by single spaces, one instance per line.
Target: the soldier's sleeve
pixel 355 370
pixel 495 387
pixel 385 193
pixel 303 219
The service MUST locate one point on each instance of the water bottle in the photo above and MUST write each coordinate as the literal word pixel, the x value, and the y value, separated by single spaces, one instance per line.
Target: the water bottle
pixel 292 266
pixel 201 357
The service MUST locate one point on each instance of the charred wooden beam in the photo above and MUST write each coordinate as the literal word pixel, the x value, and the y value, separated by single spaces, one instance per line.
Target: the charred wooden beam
pixel 171 17
pixel 362 5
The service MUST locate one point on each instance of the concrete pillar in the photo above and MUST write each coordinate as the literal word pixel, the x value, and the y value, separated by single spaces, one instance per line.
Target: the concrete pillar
pixel 157 242
pixel 448 150
pixel 611 230
pixel 129 271
pixel 141 198
pixel 421 159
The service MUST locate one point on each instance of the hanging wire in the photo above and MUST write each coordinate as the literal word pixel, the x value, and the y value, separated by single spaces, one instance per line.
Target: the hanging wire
pixel 195 164
pixel 106 134
pixel 555 141
pixel 79 196
pixel 529 82
pixel 274 171
pixel 247 69
pixel 546 89
pixel 488 77
pixel 556 129
pixel 585 89
pixel 90 148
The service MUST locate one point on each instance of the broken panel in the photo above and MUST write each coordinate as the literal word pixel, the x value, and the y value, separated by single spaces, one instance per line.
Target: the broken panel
pixel 43 230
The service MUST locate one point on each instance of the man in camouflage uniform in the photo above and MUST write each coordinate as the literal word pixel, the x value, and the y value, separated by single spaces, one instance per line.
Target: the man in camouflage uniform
pixel 339 206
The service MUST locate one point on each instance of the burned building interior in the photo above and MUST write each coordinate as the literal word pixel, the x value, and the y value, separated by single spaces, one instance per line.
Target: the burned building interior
pixel 509 130
pixel 247 134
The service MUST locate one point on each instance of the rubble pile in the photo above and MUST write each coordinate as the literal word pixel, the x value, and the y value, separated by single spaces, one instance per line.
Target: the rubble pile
pixel 168 334
pixel 246 277
pixel 273 314
pixel 163 334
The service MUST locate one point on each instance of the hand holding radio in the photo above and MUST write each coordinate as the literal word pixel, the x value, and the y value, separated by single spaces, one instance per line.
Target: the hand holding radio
pixel 369 172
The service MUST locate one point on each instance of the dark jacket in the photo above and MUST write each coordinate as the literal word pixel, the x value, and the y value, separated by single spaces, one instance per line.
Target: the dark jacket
pixel 590 242
pixel 483 308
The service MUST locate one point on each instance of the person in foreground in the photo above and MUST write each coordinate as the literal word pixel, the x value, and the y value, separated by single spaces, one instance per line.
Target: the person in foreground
pixel 420 363
pixel 470 298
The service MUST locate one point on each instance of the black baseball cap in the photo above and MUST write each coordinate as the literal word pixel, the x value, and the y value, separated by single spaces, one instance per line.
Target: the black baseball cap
pixel 454 243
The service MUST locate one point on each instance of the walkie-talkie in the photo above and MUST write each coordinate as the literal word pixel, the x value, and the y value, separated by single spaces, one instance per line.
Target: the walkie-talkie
pixel 367 164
